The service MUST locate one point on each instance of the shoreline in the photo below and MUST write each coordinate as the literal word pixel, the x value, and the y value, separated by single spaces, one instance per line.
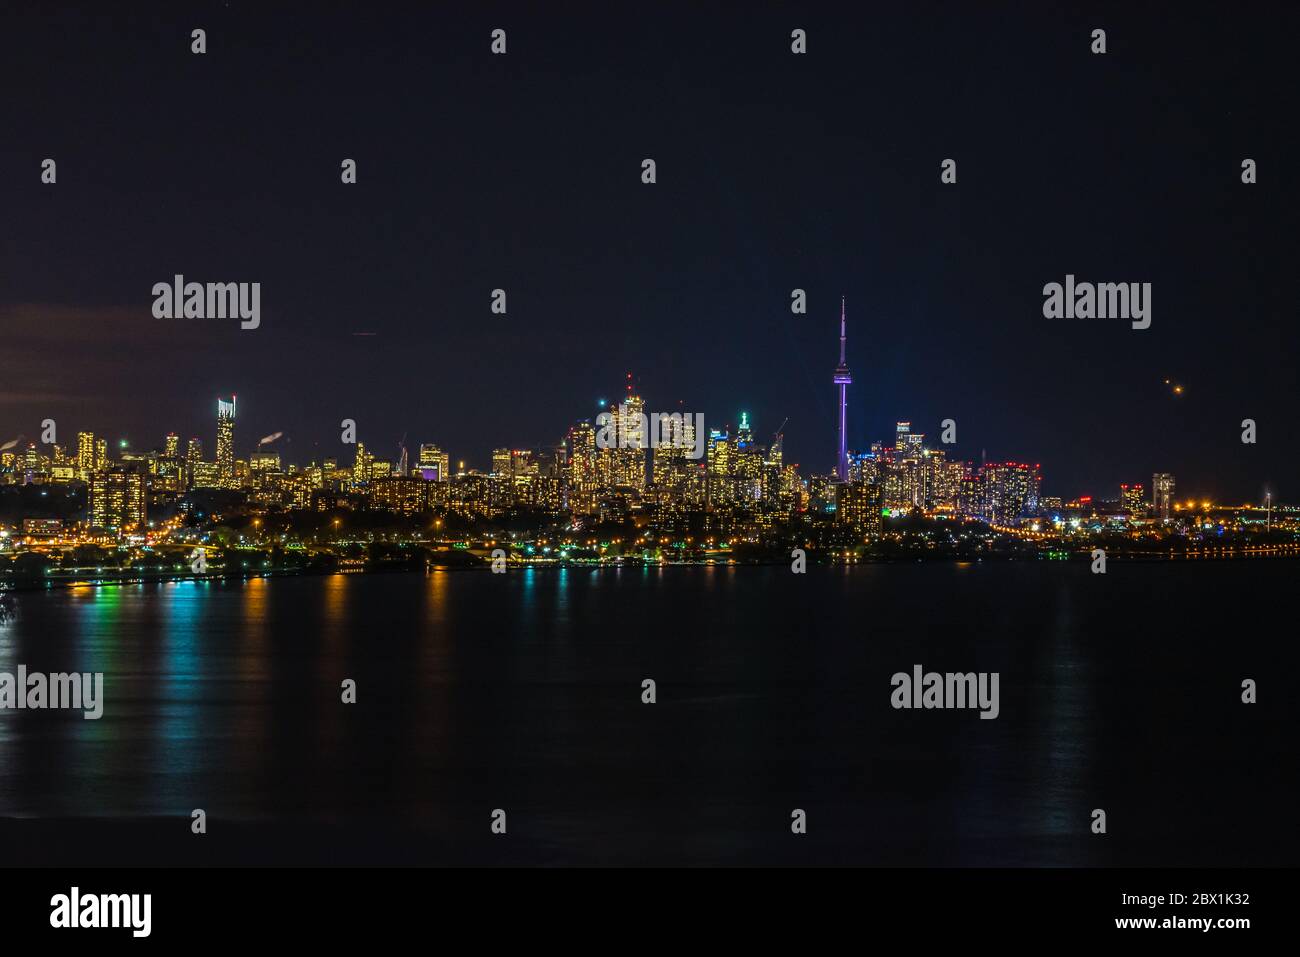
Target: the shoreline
pixel 1279 553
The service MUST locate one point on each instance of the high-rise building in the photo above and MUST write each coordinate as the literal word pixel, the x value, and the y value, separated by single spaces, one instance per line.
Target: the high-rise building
pixel 748 464
pixel 1133 498
pixel 85 455
pixel 907 444
pixel 901 432
pixel 117 500
pixel 226 442
pixel 193 458
pixel 1010 491
pixel 522 462
pixel 628 460
pixel 501 463
pixel 172 448
pixel 434 464
pixel 857 504
pixel 1162 495
pixel 674 474
pixel 843 379
pixel 361 467
pixel 583 476
pixel 721 485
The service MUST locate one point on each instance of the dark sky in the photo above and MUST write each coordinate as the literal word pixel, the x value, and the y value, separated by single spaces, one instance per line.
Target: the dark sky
pixel 775 171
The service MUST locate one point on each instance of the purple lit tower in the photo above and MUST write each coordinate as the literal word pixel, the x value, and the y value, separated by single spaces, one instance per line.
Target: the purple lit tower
pixel 843 379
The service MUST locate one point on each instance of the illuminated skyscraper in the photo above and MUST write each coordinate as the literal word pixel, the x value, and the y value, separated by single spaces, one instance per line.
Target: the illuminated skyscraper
pixel 1134 500
pixel 117 499
pixel 85 455
pixel 843 379
pixel 501 463
pixel 721 486
pixel 226 442
pixel 434 464
pixel 630 457
pixel 747 466
pixel 672 472
pixel 857 504
pixel 362 466
pixel 193 457
pixel 583 476
pixel 173 447
pixel 1010 491
pixel 901 432
pixel 1162 495
pixel 907 444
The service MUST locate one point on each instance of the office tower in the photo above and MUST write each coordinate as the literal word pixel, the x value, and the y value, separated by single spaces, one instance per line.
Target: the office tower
pixel 747 465
pixel 501 463
pixel 672 471
pixel 117 500
pixel 1133 498
pixel 101 454
pixel 226 442
pixel 583 467
pixel 361 466
pixel 193 458
pixel 85 455
pixel 902 439
pixel 1162 495
pixel 720 488
pixel 434 464
pixel 522 462
pixel 843 379
pixel 581 439
pixel 628 460
pixel 31 466
pixel 744 434
pixel 555 460
pixel 172 448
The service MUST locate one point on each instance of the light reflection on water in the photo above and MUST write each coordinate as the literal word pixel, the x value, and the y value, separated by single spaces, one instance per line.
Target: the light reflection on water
pixel 773 689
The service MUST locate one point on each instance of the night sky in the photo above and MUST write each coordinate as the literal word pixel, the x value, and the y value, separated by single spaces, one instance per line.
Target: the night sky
pixel 775 171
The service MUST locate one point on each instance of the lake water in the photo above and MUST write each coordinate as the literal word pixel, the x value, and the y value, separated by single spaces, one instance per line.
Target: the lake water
pixel 523 692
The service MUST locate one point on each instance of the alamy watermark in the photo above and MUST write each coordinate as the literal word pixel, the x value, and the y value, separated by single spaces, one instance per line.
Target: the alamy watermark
pixel 82 691
pixel 951 690
pixel 626 429
pixel 75 909
pixel 1103 300
pixel 214 300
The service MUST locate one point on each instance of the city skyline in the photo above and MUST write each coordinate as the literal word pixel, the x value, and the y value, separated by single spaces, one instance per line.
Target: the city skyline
pixel 225 441
pixel 795 172
pixel 91 455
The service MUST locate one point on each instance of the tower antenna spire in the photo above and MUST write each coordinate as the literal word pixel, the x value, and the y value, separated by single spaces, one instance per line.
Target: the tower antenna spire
pixel 843 379
pixel 842 335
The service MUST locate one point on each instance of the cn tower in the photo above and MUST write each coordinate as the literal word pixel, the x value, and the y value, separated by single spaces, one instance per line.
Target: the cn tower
pixel 843 379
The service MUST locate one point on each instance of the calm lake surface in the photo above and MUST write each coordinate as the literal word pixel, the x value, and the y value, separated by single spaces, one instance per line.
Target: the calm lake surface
pixel 523 692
